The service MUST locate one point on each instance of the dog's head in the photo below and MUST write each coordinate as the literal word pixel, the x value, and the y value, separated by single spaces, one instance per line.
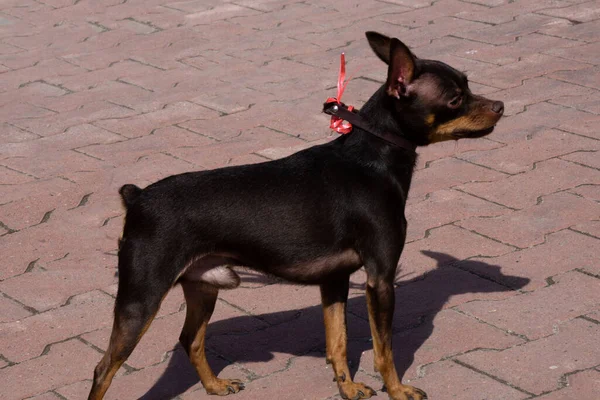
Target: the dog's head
pixel 432 100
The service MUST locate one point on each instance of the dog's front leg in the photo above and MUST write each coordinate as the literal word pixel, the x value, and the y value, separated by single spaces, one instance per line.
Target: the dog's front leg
pixel 380 301
pixel 334 295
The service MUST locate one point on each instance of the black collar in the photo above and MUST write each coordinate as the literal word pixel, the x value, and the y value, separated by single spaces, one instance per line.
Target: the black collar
pixel 341 110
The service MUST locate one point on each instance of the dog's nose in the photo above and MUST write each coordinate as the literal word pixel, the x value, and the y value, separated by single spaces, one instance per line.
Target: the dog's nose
pixel 498 107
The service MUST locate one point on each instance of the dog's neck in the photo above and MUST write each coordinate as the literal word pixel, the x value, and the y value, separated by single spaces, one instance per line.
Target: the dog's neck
pixel 377 153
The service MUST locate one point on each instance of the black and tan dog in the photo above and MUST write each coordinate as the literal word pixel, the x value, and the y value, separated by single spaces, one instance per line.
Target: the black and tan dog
pixel 314 217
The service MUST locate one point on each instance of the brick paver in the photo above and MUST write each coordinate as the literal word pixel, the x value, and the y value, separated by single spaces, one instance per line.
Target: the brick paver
pixel 98 93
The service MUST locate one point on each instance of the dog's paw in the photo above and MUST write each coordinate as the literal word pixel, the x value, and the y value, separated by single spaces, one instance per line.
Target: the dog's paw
pixel 355 391
pixel 408 393
pixel 223 387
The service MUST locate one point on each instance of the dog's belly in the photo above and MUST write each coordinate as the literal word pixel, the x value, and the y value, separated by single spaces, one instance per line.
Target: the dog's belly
pixel 216 269
pixel 320 269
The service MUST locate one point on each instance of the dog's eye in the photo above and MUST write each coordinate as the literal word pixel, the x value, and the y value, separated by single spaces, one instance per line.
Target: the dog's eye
pixel 455 102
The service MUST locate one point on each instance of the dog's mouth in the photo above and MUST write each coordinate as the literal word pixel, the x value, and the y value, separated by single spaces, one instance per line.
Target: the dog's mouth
pixel 473 134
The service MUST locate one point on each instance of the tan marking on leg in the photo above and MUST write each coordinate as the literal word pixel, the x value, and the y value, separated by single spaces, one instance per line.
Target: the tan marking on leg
pixel 380 302
pixel 119 348
pixel 334 314
pixel 201 298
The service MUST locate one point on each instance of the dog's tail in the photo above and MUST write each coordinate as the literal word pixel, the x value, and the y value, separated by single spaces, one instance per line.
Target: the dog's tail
pixel 129 194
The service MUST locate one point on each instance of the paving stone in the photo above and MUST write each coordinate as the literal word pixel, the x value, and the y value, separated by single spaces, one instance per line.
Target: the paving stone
pixel 23 111
pixel 65 363
pixel 581 385
pixel 448 172
pixel 538 366
pixel 437 28
pixel 590 192
pixel 27 338
pixel 220 154
pixel 142 125
pixel 13 134
pixel 540 263
pixel 266 6
pixel 446 206
pixel 229 100
pixel 544 309
pixel 445 245
pixel 591 228
pixel 587 158
pixel 521 156
pixel 121 69
pixel 45 289
pixel 548 177
pixel 85 113
pixel 453 334
pixel 224 128
pixel 421 17
pixel 536 90
pixel 219 12
pixel 55 164
pixel 441 379
pixel 577 12
pixel 528 66
pixel 46 396
pixel 587 77
pixel 526 125
pixel 12 177
pixel 528 227
pixel 585 31
pixel 584 53
pixel 161 140
pixel 587 127
pixel 508 32
pixel 12 310
pixel 589 102
pixel 531 43
pixel 35 248
pixel 25 204
pixel 507 11
pixel 43 74
pixel 174 80
pixel 449 149
pixel 595 316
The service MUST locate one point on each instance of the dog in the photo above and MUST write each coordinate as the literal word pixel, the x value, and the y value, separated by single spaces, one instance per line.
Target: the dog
pixel 314 217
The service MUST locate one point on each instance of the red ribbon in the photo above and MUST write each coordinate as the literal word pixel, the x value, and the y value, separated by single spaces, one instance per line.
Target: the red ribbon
pixel 338 124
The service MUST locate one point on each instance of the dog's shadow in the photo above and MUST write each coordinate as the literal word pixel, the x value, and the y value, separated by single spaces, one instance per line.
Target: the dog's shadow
pixel 418 300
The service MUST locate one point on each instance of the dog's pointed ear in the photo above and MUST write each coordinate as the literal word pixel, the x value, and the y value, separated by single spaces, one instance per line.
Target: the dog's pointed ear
pixel 380 45
pixel 401 68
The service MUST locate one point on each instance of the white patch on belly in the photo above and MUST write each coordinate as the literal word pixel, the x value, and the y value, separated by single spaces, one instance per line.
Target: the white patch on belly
pixel 222 277
pixel 214 270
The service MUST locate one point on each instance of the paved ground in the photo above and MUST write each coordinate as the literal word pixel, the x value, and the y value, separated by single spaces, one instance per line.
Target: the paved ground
pixel 95 94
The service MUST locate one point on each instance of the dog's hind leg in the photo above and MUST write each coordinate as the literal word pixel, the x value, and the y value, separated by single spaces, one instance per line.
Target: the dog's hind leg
pixel 138 301
pixel 200 300
pixel 334 296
